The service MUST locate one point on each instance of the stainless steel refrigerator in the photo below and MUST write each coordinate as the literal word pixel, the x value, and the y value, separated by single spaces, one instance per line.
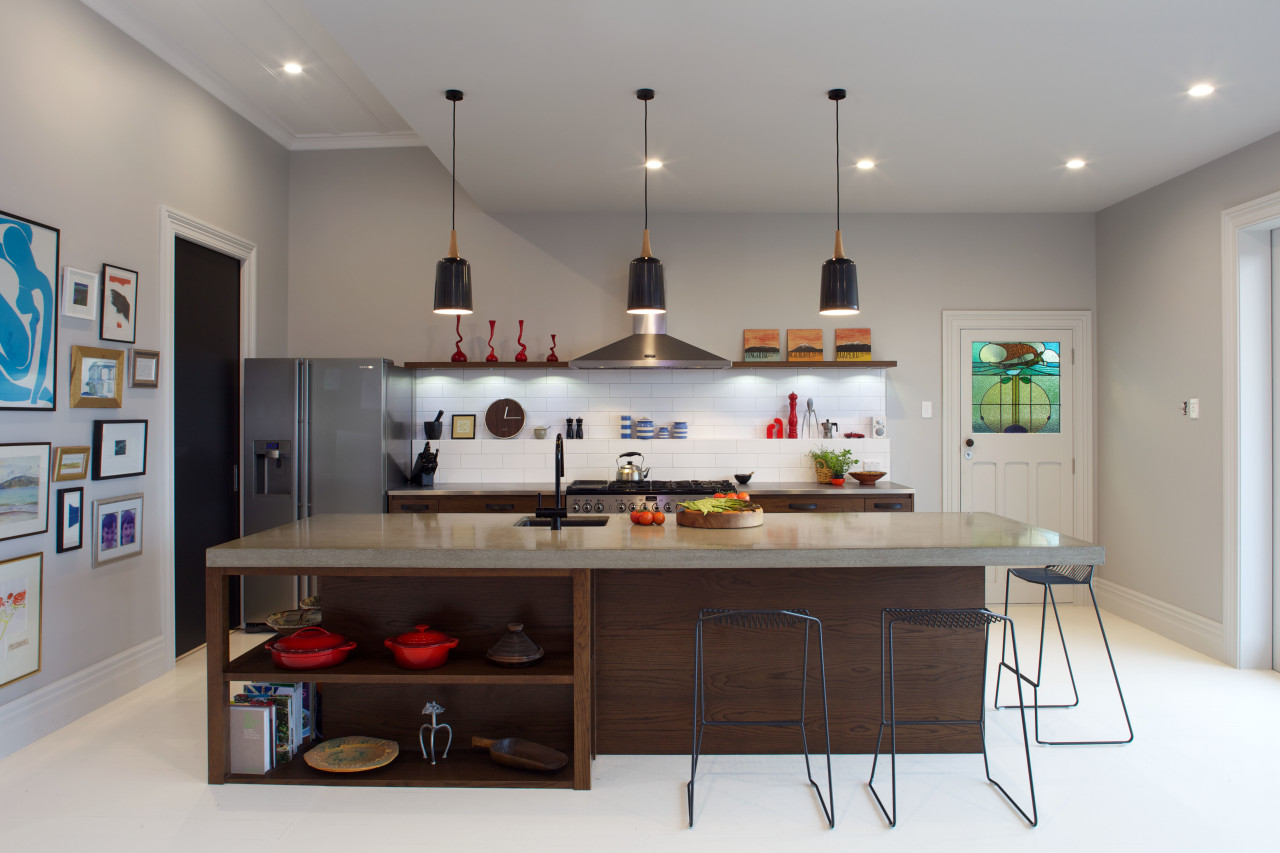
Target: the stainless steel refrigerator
pixel 321 435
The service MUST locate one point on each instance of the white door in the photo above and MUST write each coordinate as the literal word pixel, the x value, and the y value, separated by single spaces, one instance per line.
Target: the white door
pixel 1017 458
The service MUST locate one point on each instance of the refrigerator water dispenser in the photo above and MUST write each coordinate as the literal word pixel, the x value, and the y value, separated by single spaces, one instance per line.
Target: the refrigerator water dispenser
pixel 272 467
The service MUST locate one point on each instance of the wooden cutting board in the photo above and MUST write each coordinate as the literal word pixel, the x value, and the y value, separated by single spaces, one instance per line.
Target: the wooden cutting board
pixel 721 520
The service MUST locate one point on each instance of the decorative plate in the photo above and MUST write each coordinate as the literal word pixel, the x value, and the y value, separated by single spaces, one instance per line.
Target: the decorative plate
pixel 351 754
pixel 291 620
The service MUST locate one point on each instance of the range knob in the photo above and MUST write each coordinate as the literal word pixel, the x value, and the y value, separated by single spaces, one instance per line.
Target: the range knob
pixel 632 507
pixel 666 507
pixel 575 506
pixel 622 506
pixel 599 506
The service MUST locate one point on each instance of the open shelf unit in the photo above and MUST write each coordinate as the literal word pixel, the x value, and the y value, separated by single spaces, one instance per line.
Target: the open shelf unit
pixel 564 365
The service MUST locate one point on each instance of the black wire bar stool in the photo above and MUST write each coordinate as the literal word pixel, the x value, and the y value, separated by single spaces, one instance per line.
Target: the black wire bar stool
pixel 1049 577
pixel 970 619
pixel 783 619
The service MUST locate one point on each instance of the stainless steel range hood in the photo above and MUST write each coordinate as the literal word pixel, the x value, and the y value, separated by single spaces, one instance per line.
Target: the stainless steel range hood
pixel 650 346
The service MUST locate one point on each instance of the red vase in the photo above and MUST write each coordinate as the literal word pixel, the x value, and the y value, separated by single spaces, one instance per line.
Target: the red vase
pixel 459 355
pixel 553 356
pixel 521 356
pixel 491 356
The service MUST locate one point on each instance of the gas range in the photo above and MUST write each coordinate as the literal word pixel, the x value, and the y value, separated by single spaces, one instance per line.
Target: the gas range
pixel 609 496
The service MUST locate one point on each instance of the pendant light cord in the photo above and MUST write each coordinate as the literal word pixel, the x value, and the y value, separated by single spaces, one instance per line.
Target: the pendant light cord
pixel 837 165
pixel 453 201
pixel 646 165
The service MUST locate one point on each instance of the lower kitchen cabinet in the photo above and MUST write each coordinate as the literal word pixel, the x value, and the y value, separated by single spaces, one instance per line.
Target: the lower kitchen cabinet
pixel 835 503
pixel 525 504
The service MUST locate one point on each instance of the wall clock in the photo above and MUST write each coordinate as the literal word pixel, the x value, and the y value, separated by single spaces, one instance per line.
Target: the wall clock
pixel 505 418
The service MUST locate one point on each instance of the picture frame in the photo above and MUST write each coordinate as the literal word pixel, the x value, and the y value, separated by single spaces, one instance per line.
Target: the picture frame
pixel 119 316
pixel 79 294
pixel 29 359
pixel 24 490
pixel 119 449
pixel 462 426
pixel 21 599
pixel 97 377
pixel 117 529
pixel 144 370
pixel 70 519
pixel 70 463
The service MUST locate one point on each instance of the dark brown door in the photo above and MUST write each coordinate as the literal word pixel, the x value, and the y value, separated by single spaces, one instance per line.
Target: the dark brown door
pixel 206 378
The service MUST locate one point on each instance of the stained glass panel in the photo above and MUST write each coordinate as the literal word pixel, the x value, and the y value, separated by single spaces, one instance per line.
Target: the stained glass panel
pixel 1016 387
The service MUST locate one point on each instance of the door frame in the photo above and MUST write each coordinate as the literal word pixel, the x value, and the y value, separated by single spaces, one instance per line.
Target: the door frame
pixel 174 224
pixel 1080 323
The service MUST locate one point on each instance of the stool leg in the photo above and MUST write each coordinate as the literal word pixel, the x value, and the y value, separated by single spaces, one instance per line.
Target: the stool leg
pixel 699 699
pixel 889 719
pixel 829 813
pixel 1018 678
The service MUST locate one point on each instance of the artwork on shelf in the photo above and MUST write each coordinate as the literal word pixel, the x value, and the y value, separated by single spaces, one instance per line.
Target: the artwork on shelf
pixel 145 372
pixel 21 580
pixel 119 304
pixel 853 344
pixel 463 426
pixel 804 345
pixel 70 463
pixel 28 313
pixel 97 378
pixel 761 345
pixel 117 528
pixel 24 489
pixel 70 515
pixel 119 449
pixel 79 294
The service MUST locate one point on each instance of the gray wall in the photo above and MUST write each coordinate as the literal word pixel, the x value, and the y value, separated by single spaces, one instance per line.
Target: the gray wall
pixel 1159 343
pixel 98 134
pixel 360 280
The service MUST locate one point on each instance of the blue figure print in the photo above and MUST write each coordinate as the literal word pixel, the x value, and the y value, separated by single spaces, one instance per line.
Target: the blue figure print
pixel 27 325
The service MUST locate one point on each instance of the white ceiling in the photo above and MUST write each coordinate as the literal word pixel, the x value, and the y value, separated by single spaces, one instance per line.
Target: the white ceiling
pixel 966 105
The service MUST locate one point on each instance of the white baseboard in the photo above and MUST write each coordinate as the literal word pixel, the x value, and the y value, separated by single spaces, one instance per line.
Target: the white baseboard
pixel 29 718
pixel 1182 626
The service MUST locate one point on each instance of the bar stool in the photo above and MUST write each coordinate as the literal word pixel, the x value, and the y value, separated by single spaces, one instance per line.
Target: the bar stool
pixel 1049 577
pixel 972 619
pixel 761 619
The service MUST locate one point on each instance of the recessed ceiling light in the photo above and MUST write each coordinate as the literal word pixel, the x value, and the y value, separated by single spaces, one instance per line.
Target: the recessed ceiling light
pixel 1200 90
pixel 292 68
pixel 1075 164
pixel 653 164
pixel 866 164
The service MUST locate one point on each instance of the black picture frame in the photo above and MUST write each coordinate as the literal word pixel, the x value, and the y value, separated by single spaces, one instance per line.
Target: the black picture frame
pixel 26 502
pixel 462 427
pixel 36 309
pixel 119 449
pixel 70 519
pixel 118 311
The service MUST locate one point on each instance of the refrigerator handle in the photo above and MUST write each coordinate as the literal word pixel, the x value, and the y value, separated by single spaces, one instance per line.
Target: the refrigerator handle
pixel 302 463
pixel 235 479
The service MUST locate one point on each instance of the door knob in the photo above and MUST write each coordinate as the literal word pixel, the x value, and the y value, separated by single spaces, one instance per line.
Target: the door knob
pixel 968 442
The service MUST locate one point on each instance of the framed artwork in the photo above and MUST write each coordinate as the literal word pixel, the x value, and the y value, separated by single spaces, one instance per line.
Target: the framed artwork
pixel 463 426
pixel 145 371
pixel 761 345
pixel 28 313
pixel 853 344
pixel 117 528
pixel 79 293
pixel 119 449
pixel 70 463
pixel 24 489
pixel 97 378
pixel 70 529
pixel 804 345
pixel 21 580
pixel 119 304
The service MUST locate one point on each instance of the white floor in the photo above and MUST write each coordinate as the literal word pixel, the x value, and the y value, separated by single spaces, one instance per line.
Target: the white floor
pixel 1201 775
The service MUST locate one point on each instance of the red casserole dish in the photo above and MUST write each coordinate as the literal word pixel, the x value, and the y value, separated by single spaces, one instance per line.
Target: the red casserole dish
pixel 310 648
pixel 421 648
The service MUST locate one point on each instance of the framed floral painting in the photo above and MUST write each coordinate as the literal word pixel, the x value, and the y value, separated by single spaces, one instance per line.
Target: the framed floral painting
pixel 21 582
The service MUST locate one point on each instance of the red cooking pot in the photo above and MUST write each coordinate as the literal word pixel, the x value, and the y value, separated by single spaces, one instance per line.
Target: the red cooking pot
pixel 310 648
pixel 421 648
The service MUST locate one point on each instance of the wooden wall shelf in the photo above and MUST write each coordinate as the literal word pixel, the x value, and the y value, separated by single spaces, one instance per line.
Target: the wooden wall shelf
pixel 482 365
pixel 779 365
pixel 564 365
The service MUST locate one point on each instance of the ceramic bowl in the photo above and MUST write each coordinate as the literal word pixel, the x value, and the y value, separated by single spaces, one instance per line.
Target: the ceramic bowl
pixel 743 479
pixel 866 478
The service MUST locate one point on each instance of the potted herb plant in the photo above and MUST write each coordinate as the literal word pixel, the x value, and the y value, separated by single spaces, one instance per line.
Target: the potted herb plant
pixel 831 463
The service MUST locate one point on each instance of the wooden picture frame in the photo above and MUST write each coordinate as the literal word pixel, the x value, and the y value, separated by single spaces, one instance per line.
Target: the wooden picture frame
pixel 70 519
pixel 29 358
pixel 462 426
pixel 117 529
pixel 70 463
pixel 21 599
pixel 119 449
pixel 24 489
pixel 144 371
pixel 118 320
pixel 97 378
pixel 79 294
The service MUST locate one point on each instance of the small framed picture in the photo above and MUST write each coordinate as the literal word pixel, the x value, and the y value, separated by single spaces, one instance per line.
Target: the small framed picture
pixel 119 449
pixel 97 378
pixel 146 368
pixel 70 463
pixel 117 528
pixel 70 529
pixel 21 582
pixel 463 426
pixel 119 304
pixel 79 294
pixel 24 490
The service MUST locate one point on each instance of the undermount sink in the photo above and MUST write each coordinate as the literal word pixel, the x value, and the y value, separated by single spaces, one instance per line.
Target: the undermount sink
pixel 572 521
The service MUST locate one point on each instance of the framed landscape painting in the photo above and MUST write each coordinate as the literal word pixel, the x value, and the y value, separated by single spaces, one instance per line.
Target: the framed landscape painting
pixel 853 344
pixel 119 304
pixel 70 463
pixel 761 345
pixel 28 313
pixel 24 489
pixel 804 345
pixel 21 582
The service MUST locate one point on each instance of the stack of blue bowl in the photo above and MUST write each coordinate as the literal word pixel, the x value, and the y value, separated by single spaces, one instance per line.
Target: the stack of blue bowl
pixel 644 427
pixel 680 429
pixel 626 426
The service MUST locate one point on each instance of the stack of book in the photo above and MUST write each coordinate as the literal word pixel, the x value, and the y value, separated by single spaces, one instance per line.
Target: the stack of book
pixel 269 722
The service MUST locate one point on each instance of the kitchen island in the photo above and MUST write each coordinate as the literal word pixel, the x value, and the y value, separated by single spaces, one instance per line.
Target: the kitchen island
pixel 614 608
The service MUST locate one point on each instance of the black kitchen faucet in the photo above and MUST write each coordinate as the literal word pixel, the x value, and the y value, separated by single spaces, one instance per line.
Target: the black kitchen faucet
pixel 558 512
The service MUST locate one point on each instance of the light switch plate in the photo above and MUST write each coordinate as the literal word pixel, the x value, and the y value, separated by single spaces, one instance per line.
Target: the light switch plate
pixel 926 409
pixel 1193 408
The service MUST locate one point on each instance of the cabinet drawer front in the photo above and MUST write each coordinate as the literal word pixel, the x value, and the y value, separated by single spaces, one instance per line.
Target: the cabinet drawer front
pixel 398 503
pixel 489 503
pixel 808 503
pixel 900 503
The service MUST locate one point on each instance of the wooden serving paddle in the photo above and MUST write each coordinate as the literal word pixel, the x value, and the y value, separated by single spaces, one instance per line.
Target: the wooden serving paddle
pixel 721 520
pixel 525 754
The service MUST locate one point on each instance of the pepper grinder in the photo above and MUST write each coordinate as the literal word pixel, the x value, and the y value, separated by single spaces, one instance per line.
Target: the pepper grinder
pixel 568 427
pixel 577 431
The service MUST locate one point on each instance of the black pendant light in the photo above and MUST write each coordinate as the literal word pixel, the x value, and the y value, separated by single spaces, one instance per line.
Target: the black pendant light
pixel 839 295
pixel 646 291
pixel 453 274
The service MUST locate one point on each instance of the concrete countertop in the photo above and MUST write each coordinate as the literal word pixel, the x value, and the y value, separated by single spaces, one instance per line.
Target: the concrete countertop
pixel 490 540
pixel 850 488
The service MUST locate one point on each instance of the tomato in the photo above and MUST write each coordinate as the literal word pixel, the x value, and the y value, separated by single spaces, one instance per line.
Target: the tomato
pixel 659 518
pixel 743 496
pixel 646 517
pixel 635 517
pixel 719 495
